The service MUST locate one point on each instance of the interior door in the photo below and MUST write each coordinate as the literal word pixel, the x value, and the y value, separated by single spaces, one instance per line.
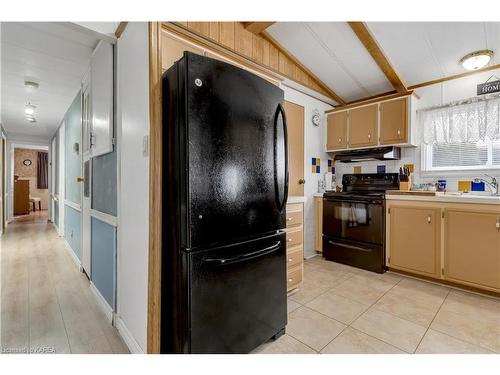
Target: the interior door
pixel 3 201
pixel 87 183
pixel 53 174
pixel 295 124
pixel 237 162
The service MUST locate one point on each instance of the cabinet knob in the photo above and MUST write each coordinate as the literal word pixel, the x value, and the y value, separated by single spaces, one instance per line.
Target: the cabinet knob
pixel 290 219
pixel 340 139
pixel 369 135
pixel 290 259
pixel 302 181
pixel 289 280
pixel 289 240
pixel 429 219
pixel 498 224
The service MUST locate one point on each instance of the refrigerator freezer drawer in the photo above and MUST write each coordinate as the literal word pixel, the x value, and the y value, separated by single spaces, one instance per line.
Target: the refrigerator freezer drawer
pixel 237 296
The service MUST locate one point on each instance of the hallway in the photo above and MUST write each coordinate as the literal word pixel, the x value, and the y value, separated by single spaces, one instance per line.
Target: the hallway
pixel 46 303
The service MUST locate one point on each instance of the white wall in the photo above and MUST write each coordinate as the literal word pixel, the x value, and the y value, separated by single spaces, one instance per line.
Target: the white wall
pixel 430 96
pixel 314 146
pixel 133 223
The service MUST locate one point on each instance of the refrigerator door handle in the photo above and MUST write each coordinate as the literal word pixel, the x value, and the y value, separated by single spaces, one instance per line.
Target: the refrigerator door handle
pixel 281 111
pixel 244 257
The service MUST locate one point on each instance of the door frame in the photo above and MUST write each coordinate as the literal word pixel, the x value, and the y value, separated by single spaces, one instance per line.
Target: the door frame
pixel 86 203
pixel 62 179
pixel 3 183
pixel 52 180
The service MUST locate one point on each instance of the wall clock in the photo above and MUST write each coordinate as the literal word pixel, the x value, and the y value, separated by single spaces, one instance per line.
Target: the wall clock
pixel 27 162
pixel 316 118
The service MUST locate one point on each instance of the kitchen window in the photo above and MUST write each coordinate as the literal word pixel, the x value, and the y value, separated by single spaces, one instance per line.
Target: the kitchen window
pixel 463 135
pixel 462 156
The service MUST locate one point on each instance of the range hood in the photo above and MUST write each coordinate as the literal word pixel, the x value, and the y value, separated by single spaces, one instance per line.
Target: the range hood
pixel 379 153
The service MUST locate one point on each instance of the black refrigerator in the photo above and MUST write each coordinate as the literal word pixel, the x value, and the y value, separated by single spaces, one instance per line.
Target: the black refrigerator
pixel 225 181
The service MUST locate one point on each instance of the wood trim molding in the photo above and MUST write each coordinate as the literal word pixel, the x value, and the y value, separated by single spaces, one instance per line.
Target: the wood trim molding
pixel 120 29
pixel 332 94
pixel 456 76
pixel 182 30
pixel 373 48
pixel 155 189
pixel 257 27
pixel 375 99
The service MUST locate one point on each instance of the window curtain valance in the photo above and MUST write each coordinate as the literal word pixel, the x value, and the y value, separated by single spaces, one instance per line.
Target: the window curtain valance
pixel 466 121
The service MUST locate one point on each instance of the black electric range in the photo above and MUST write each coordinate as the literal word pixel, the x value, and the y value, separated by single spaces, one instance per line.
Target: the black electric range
pixel 354 220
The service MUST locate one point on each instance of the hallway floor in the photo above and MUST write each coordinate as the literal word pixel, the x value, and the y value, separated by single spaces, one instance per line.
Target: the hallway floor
pixel 346 310
pixel 46 303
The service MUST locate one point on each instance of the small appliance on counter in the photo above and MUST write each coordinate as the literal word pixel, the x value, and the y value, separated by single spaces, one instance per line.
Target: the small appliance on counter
pixel 354 220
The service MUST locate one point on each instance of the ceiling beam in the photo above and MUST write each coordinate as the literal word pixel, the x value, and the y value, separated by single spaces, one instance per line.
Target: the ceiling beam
pixel 283 50
pixel 257 27
pixel 371 45
pixel 456 76
pixel 120 29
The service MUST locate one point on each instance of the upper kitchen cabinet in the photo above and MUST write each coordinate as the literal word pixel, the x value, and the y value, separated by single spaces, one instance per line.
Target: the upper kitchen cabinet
pixel 173 49
pixel 394 121
pixel 385 122
pixel 363 124
pixel 337 131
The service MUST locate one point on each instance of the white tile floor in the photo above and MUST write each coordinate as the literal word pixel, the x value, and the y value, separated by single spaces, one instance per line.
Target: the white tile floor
pixel 46 303
pixel 341 309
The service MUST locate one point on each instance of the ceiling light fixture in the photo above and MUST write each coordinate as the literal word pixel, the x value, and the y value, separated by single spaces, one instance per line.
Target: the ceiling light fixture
pixel 476 60
pixel 30 85
pixel 29 109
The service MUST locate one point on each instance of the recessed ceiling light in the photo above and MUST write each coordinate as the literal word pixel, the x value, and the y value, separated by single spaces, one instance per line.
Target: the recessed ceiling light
pixel 29 109
pixel 476 60
pixel 30 85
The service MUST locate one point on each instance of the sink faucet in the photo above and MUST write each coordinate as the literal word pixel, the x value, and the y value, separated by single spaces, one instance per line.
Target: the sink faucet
pixel 493 184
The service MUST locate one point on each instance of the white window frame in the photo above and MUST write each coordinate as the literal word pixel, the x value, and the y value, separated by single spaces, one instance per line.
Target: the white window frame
pixel 426 163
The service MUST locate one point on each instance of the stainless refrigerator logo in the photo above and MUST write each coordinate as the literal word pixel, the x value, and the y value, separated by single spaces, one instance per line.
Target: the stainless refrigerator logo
pixel 198 82
pixel 488 87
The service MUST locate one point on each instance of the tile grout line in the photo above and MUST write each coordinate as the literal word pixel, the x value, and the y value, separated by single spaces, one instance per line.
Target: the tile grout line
pixel 429 326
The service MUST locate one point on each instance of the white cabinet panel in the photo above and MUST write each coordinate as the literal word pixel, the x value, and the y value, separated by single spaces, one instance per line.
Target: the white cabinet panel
pixel 101 77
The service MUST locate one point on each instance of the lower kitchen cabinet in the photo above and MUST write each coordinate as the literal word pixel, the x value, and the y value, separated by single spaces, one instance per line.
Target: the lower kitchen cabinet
pixel 414 239
pixel 318 224
pixel 472 248
pixel 294 245
pixel 455 242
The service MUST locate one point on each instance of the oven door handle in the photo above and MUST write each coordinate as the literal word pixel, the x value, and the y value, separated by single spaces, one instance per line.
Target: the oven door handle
pixel 349 246
pixel 344 201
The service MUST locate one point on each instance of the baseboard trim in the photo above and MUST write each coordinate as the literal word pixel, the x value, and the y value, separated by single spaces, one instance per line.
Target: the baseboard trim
pixel 127 337
pixel 101 301
pixel 73 255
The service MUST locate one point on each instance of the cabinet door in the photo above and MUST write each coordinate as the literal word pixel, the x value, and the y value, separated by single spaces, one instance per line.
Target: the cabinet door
pixel 295 124
pixel 101 99
pixel 394 121
pixel 318 224
pixel 415 239
pixel 472 248
pixel 363 126
pixel 336 131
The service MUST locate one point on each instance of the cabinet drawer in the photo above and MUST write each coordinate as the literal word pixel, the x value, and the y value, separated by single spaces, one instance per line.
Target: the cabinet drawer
pixel 293 238
pixel 294 257
pixel 294 277
pixel 293 218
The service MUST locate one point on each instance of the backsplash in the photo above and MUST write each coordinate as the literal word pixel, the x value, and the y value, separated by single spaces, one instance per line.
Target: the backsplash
pixel 408 156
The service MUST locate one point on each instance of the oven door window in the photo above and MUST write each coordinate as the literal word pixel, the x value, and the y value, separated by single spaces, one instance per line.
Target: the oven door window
pixel 355 221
